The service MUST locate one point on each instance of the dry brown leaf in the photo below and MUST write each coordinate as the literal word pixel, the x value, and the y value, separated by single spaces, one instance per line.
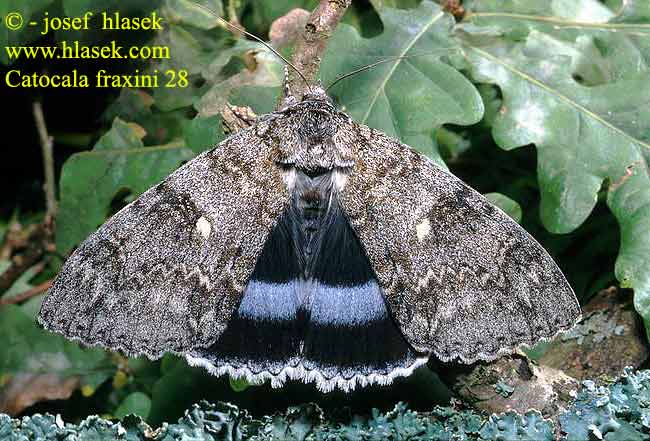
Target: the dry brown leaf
pixel 24 390
pixel 287 28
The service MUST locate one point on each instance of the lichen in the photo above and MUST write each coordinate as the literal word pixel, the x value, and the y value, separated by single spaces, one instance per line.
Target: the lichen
pixel 503 389
pixel 615 412
pixel 599 324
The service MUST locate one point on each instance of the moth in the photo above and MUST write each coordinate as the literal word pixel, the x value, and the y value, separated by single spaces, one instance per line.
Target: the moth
pixel 313 248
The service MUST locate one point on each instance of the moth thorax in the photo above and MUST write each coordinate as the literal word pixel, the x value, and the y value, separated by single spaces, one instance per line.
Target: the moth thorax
pixel 316 129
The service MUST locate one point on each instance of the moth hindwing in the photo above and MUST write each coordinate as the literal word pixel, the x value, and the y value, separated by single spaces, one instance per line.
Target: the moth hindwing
pixel 311 247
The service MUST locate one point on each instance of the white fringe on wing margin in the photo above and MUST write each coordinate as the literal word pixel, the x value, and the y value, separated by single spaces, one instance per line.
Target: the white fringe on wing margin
pixel 299 372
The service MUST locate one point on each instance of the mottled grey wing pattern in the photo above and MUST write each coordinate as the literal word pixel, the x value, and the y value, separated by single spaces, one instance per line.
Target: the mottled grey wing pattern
pixel 462 279
pixel 167 271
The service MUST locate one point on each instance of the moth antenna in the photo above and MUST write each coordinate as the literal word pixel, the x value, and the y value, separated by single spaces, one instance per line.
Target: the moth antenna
pixel 285 84
pixel 377 63
pixel 256 38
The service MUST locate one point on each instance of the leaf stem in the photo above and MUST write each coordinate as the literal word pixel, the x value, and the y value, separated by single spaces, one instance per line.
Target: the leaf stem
pixel 48 161
pixel 32 292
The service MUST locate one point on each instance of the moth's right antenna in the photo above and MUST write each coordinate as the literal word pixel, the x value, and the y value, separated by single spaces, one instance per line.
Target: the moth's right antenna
pixel 256 38
pixel 377 63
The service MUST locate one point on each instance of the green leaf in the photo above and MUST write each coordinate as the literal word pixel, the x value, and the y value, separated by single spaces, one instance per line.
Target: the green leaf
pixel 633 11
pixel 242 48
pixel 118 165
pixel 401 4
pixel 268 73
pixel 580 11
pixel 132 104
pixel 262 99
pixel 29 11
pixel 600 45
pixel 76 8
pixel 187 50
pixel 586 137
pixel 122 135
pixel 451 144
pixel 265 12
pixel 136 403
pixel 407 98
pixel 239 384
pixel 189 12
pixel 164 127
pixel 168 99
pixel 509 206
pixel 203 133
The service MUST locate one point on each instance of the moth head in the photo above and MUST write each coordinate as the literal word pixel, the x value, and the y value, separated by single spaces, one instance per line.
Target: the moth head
pixel 317 93
pixel 314 96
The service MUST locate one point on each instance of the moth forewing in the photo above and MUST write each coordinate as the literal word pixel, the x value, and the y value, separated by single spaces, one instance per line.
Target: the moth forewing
pixel 167 271
pixel 462 279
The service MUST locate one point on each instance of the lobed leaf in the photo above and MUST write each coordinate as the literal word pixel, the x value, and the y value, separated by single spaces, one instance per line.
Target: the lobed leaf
pixel 119 165
pixel 408 98
pixel 588 135
pixel 509 206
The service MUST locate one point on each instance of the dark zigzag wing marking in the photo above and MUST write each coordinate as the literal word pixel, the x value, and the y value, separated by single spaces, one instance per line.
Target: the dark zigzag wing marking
pixel 167 271
pixel 462 279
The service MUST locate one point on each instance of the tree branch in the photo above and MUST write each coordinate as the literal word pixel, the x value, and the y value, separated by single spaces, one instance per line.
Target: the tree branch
pixel 39 240
pixel 312 43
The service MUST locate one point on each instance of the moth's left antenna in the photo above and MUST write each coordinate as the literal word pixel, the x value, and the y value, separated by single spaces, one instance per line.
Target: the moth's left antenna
pixel 256 38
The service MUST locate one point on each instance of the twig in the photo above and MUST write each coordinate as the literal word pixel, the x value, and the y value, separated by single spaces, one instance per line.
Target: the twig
pixel 48 162
pixel 15 238
pixel 233 18
pixel 455 8
pixel 39 240
pixel 38 243
pixel 32 292
pixel 312 43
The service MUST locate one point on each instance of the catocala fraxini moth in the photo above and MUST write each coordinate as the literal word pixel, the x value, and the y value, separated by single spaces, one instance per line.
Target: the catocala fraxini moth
pixel 311 247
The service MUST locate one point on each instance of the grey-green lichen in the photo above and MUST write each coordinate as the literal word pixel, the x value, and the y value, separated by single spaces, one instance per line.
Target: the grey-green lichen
pixel 599 324
pixel 617 412
pixel 503 389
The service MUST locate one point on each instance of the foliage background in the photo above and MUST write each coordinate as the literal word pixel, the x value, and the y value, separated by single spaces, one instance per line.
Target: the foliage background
pixel 540 104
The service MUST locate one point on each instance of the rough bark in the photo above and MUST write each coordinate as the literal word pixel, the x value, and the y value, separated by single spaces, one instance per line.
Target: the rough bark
pixel 312 43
